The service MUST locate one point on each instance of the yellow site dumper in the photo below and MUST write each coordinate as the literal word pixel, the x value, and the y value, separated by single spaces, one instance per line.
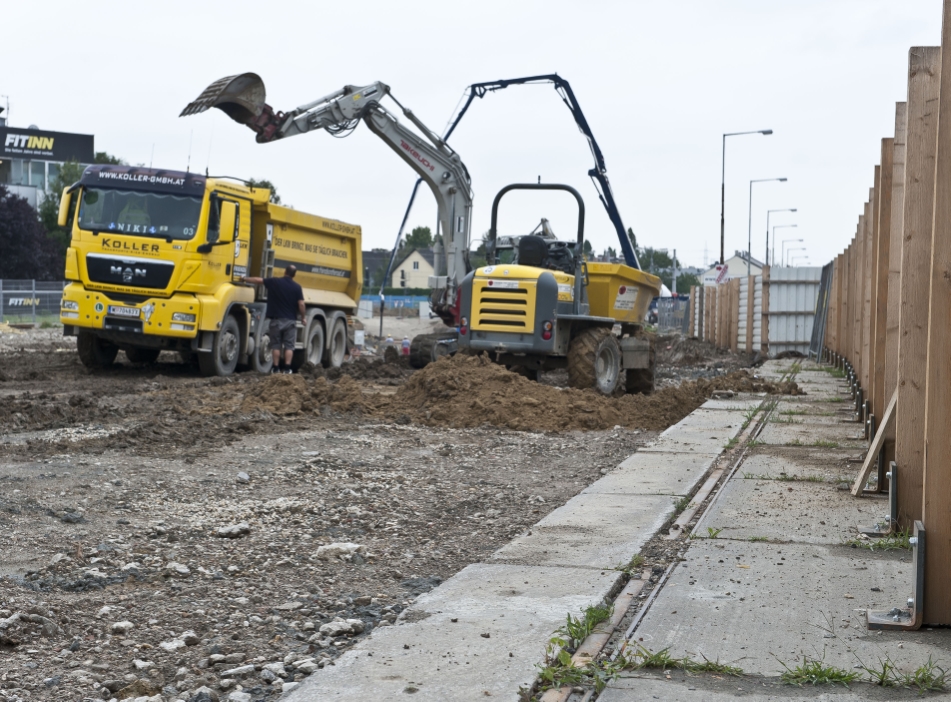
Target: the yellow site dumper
pixel 549 308
pixel 156 260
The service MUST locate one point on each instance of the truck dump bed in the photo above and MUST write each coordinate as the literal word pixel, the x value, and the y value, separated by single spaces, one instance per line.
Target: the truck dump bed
pixel 326 252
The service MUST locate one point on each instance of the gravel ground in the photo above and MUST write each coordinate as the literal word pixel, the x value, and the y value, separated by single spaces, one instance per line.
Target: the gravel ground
pixel 201 555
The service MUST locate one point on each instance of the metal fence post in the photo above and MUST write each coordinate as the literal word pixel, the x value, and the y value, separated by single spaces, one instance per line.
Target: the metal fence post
pixel 1 300
pixel 33 299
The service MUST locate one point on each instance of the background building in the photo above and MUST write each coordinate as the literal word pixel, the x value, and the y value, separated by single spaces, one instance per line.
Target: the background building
pixel 414 270
pixel 30 158
pixel 735 268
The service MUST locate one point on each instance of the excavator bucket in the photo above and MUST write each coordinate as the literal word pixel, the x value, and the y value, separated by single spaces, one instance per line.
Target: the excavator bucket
pixel 241 97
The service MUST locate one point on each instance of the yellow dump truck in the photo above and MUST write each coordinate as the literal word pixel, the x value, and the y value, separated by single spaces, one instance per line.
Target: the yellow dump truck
pixel 155 263
pixel 548 308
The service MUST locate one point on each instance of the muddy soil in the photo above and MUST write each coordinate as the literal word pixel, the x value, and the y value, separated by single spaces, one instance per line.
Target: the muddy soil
pixel 162 532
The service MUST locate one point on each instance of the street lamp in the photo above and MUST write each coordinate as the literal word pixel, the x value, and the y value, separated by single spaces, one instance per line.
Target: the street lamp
pixel 749 234
pixel 780 226
pixel 795 248
pixel 782 255
pixel 765 132
pixel 768 213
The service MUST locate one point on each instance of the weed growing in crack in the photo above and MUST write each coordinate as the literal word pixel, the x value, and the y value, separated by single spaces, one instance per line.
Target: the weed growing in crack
pixel 644 658
pixel 825 444
pixel 892 542
pixel 713 533
pixel 929 677
pixel 576 629
pixel 814 671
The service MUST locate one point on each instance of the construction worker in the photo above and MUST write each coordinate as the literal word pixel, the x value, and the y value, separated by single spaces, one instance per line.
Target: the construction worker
pixel 405 345
pixel 285 301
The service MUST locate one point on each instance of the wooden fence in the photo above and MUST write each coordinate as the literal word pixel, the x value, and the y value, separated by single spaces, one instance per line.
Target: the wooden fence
pixel 889 322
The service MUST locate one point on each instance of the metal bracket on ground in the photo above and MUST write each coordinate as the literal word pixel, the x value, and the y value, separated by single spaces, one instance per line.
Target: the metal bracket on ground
pixel 906 618
pixel 887 525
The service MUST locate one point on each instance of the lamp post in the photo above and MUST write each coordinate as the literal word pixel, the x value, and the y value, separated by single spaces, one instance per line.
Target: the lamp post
pixel 749 233
pixel 768 213
pixel 781 226
pixel 795 248
pixel 764 132
pixel 782 255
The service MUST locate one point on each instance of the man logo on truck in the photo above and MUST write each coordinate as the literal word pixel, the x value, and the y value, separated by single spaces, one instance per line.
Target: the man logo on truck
pixel 127 273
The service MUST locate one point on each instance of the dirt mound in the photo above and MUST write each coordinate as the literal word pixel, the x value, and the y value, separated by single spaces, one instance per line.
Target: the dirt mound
pixel 284 395
pixel 466 391
pixel 389 371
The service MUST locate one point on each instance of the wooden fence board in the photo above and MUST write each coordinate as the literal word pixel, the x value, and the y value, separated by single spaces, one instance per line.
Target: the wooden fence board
pixel 920 148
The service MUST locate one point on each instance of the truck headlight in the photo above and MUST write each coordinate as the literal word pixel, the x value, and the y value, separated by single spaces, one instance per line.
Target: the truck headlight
pixel 69 315
pixel 183 317
pixel 69 305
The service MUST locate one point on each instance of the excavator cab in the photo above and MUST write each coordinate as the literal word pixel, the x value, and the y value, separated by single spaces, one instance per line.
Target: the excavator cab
pixel 552 309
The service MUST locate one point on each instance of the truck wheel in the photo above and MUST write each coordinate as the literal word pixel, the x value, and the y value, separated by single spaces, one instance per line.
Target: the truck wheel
pixel 338 345
pixel 223 358
pixel 94 352
pixel 262 360
pixel 594 360
pixel 313 351
pixel 143 356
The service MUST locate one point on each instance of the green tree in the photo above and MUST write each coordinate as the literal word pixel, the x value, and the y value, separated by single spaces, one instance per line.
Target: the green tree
pixel 264 183
pixel 612 254
pixel 48 211
pixel 28 252
pixel 419 238
pixel 107 158
pixel 685 281
pixel 633 238
pixel 587 249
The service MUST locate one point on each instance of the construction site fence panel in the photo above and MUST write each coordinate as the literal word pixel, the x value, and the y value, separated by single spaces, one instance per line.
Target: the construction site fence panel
pixel 793 292
pixel 30 301
pixel 670 313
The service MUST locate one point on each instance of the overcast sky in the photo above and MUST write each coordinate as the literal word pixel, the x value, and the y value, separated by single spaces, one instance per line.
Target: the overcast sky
pixel 659 82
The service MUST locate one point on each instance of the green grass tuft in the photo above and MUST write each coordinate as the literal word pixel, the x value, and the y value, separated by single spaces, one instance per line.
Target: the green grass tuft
pixel 816 672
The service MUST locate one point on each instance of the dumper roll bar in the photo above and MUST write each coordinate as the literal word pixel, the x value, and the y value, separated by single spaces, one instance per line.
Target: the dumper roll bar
pixel 579 247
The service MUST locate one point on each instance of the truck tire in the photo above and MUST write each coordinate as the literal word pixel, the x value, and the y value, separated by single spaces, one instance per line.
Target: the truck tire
pixel 94 352
pixel 142 356
pixel 262 360
pixel 641 380
pixel 594 360
pixel 313 351
pixel 337 345
pixel 225 348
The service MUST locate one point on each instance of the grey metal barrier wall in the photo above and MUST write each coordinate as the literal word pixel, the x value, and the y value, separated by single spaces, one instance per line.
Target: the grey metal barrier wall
pixel 30 301
pixel 670 313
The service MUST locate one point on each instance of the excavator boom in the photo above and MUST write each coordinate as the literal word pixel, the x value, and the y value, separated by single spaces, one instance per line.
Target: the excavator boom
pixel 242 97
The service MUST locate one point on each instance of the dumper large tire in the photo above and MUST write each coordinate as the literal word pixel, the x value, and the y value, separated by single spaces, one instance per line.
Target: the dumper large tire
pixel 594 360
pixel 313 351
pixel 143 356
pixel 94 352
pixel 641 380
pixel 225 349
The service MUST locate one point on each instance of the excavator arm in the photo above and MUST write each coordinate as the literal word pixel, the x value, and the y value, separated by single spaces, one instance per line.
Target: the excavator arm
pixel 242 98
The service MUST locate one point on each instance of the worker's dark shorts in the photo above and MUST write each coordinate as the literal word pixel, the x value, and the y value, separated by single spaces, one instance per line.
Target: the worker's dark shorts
pixel 283 334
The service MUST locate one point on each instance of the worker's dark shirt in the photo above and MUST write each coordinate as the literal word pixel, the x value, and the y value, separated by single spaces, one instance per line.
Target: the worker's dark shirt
pixel 282 297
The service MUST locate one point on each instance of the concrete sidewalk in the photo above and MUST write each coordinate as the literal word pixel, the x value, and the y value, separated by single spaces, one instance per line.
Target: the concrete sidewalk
pixel 779 582
pixel 483 632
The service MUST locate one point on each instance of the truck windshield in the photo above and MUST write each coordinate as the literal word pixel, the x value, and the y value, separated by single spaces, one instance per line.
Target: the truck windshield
pixel 140 213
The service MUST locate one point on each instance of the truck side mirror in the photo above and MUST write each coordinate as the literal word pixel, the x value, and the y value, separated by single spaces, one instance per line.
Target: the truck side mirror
pixel 224 215
pixel 64 204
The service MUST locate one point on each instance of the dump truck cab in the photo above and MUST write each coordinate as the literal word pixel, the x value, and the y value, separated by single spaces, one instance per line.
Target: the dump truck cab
pixel 552 309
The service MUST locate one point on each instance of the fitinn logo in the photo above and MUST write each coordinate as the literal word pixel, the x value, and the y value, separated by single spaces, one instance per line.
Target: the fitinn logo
pixel 27 141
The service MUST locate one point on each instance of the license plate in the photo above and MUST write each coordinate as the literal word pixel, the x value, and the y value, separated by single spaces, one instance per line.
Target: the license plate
pixel 124 311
